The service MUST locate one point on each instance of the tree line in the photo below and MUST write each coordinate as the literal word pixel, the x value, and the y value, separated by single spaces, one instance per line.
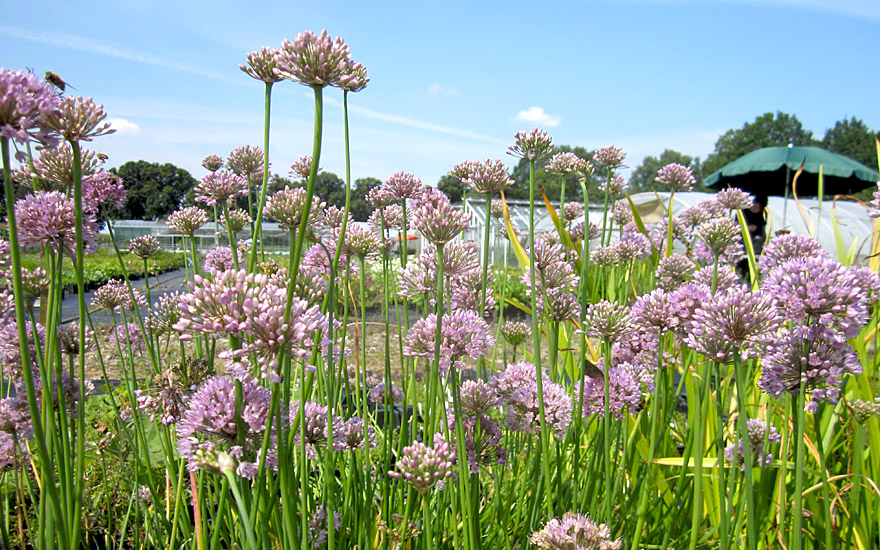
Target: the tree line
pixel 155 190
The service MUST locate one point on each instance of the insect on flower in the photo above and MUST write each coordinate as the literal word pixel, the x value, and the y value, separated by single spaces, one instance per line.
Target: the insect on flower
pixel 57 81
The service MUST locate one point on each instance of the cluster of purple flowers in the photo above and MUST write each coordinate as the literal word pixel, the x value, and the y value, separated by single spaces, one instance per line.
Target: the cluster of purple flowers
pixel 517 386
pixel 463 333
pixel 574 532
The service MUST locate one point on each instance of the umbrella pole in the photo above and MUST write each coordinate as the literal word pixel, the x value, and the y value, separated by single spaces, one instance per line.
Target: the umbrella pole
pixel 785 206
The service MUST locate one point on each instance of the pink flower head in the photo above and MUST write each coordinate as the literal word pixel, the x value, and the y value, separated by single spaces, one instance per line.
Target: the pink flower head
pixel 102 188
pixel 437 219
pixel 313 60
pixel 677 176
pixel 212 163
pixel 261 65
pixel 425 467
pixel 401 186
pixel 463 333
pixel 188 220
pixel 287 205
pixel 47 218
pixel 353 77
pixel 489 176
pixel 302 167
pixel 220 186
pixel 610 157
pixel 246 161
pixel 80 119
pixel 575 532
pixel 568 163
pixel 617 185
pixel 734 199
pixel 532 145
pixel 26 105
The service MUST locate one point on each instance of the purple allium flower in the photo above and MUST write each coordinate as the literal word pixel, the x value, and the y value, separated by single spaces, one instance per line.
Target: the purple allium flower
pixel 425 467
pixel 212 163
pixel 622 214
pixel 607 320
pixel 353 78
pixel 15 416
pixel 102 188
pixel 11 454
pixel 677 176
pixel 220 186
pixel 361 242
pixel 617 186
pixel 26 107
pixel 718 234
pixel 694 216
pixel 659 236
pixel 462 170
pixel 246 161
pixel 54 168
pixel 220 258
pixel 516 332
pixel 164 314
pixel 727 277
pixel 713 208
pixel 377 394
pixel 34 283
pixel 236 221
pixel 624 392
pixel 787 247
pixel 313 60
pixel 489 176
pixel 467 291
pixel 402 186
pixel 517 386
pixel 496 208
pixel 350 435
pixel 47 219
pixel 302 167
pixel 80 119
pixel 145 246
pixel 821 294
pixel 313 427
pixel 730 256
pixel 463 333
pixel 482 441
pixel 165 404
pixel 572 211
pixel 673 271
pixel 416 279
pixel 610 157
pixel 436 218
pixel 605 256
pixel 287 205
pixel 759 432
pixel 478 398
pixel 68 339
pixel 632 246
pixel 734 199
pixel 115 295
pixel 215 305
pixel 656 311
pixel 875 203
pixel 791 359
pixel 568 163
pixel 574 532
pixel 318 526
pixel 261 66
pixel 561 305
pixel 212 417
pixel 188 220
pixel 332 217
pixel 532 145
pixel 392 217
pixel 126 335
pixel 868 280
pixel 734 319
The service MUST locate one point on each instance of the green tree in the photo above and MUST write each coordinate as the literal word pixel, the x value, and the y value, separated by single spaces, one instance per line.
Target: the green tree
pixel 768 130
pixel 851 138
pixel 154 190
pixel 642 178
pixel 452 186
pixel 360 209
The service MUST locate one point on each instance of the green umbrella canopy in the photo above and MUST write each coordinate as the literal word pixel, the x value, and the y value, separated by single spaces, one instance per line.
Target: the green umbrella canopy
pixel 771 170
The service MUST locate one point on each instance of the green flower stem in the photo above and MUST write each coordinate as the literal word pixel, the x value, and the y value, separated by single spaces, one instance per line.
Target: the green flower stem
pixel 699 450
pixel 258 223
pixel 40 437
pixel 823 475
pixel 855 502
pixel 429 521
pixel 798 520
pixel 742 421
pixel 430 409
pixel 659 385
pixel 310 186
pixel 606 434
pixel 536 354
pixel 604 212
pixel 719 453
pixel 233 245
pixel 242 509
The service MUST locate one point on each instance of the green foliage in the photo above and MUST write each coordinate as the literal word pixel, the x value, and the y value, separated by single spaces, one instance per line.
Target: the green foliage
pixel 768 130
pixel 360 208
pixel 103 265
pixel 851 138
pixel 154 190
pixel 509 284
pixel 642 178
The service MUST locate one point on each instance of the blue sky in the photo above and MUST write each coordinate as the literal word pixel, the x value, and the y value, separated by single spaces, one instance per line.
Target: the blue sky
pixel 453 81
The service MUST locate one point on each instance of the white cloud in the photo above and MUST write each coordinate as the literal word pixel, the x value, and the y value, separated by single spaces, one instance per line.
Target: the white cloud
pixel 124 127
pixel 440 89
pixel 536 115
